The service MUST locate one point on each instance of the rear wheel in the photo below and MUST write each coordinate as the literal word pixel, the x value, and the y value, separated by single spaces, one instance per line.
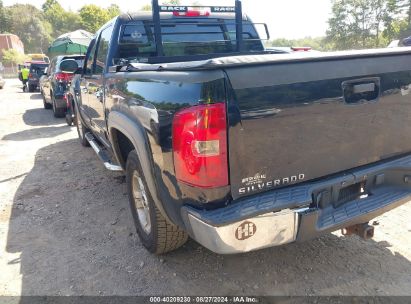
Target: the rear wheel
pixel 69 114
pixel 46 105
pixel 81 129
pixel 155 232
pixel 58 112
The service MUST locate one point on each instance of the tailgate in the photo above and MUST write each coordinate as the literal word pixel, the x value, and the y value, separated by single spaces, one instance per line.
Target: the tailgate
pixel 294 122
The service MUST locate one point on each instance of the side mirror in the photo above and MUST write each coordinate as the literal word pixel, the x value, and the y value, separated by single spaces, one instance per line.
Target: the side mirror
pixel 69 66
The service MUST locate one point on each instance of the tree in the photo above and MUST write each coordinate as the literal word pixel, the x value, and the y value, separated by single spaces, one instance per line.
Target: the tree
pixel 403 18
pixel 316 43
pixel 404 8
pixel 27 22
pixel 61 20
pixel 113 11
pixel 4 19
pixel 146 8
pixel 48 5
pixel 358 23
pixel 12 56
pixel 93 17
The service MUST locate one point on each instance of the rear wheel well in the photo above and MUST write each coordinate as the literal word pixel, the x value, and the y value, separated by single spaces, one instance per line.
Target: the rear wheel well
pixel 124 146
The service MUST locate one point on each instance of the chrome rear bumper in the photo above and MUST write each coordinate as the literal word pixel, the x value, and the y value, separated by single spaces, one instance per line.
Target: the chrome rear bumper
pixel 282 216
pixel 267 230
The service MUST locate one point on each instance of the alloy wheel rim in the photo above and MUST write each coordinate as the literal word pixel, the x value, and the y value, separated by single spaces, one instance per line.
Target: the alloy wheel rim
pixel 141 203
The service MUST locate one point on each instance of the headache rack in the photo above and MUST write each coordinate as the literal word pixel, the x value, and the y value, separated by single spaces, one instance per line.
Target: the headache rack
pixel 177 10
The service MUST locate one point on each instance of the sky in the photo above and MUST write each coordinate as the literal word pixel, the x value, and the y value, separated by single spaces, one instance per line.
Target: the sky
pixel 289 19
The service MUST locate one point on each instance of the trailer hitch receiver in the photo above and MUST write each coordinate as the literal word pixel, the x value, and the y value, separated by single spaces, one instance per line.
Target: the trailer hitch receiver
pixel 364 231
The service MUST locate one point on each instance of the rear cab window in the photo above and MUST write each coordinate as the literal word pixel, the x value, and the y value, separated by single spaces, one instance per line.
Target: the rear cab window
pixel 38 68
pixel 78 59
pixel 184 37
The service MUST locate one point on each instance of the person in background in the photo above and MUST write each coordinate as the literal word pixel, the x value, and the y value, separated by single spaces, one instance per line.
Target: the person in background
pixel 25 71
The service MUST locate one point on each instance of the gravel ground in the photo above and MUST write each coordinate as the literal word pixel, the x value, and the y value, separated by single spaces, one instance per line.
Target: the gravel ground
pixel 65 229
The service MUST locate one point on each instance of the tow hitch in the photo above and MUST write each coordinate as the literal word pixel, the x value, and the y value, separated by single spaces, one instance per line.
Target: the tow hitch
pixel 364 231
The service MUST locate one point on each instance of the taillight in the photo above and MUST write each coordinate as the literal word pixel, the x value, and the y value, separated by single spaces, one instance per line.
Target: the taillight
pixel 200 145
pixel 63 76
pixel 191 13
pixel 301 48
pixel 66 100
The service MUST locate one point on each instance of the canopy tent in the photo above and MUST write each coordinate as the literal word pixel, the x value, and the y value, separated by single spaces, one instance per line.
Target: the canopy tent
pixel 71 43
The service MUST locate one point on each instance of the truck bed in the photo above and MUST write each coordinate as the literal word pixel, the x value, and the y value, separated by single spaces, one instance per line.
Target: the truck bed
pixel 302 116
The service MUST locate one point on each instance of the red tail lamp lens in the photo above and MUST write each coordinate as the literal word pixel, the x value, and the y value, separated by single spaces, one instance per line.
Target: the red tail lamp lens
pixel 200 146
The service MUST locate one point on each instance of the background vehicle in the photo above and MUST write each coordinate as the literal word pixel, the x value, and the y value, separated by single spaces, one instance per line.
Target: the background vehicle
pixel 71 93
pixel 39 57
pixel 55 84
pixel 249 148
pixel 36 71
pixel 406 41
pixel 2 81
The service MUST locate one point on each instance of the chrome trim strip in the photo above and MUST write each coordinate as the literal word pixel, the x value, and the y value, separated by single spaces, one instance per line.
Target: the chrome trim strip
pixel 111 167
pixel 98 150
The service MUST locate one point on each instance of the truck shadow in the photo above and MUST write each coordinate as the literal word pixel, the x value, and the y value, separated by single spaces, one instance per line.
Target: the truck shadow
pixel 36 96
pixel 40 117
pixel 43 132
pixel 71 223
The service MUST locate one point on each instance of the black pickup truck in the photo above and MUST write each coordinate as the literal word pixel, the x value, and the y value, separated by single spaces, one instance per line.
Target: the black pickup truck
pixel 239 147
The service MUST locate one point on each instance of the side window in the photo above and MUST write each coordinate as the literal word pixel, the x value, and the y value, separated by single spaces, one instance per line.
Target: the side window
pixel 90 60
pixel 103 48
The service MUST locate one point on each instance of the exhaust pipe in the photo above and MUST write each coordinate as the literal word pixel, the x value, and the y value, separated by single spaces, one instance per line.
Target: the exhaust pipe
pixel 365 231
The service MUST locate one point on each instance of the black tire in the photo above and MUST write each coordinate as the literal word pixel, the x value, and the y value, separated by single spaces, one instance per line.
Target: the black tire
pixel 58 113
pixel 81 129
pixel 163 236
pixel 69 119
pixel 32 88
pixel 46 105
pixel 69 114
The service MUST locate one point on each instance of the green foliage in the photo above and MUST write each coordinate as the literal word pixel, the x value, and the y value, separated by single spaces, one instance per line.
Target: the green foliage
pixel 13 56
pixel 62 21
pixel 4 20
pixel 93 17
pixel 316 43
pixel 357 24
pixel 113 11
pixel 353 24
pixel 37 28
pixel 27 22
pixel 146 8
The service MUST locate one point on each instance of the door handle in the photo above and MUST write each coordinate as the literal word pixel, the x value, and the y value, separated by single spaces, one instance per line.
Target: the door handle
pixel 362 90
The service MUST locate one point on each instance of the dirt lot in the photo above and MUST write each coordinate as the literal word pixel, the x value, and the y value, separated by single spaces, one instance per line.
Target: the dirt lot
pixel 65 229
